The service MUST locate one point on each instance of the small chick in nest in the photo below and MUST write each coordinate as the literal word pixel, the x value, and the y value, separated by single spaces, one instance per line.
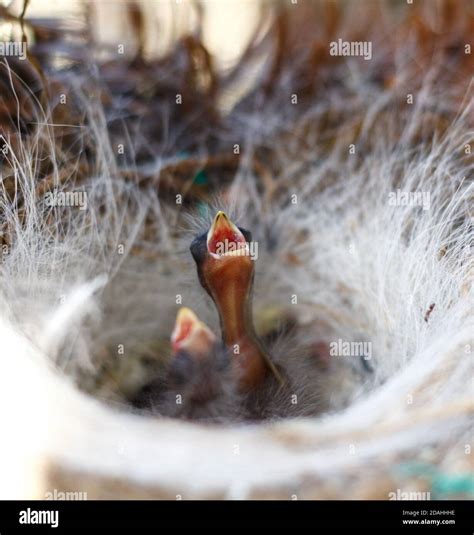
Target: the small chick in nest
pixel 238 378
pixel 199 383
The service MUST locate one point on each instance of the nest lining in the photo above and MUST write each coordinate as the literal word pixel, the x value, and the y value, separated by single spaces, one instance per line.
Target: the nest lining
pixel 397 276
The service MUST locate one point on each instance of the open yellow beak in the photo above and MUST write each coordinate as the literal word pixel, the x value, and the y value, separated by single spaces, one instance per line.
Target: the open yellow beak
pixel 191 334
pixel 224 238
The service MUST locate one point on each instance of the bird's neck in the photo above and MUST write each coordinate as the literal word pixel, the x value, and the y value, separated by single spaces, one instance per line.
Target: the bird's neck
pixel 234 304
pixel 235 312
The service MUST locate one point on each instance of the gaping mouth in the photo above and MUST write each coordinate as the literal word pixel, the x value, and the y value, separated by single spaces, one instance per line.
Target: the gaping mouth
pixel 224 238
pixel 190 333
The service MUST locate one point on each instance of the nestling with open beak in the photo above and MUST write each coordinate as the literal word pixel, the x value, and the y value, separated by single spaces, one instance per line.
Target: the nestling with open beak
pixel 198 383
pixel 226 271
pixel 275 383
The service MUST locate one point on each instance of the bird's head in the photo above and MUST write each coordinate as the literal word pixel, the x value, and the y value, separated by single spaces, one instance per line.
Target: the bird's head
pixel 191 335
pixel 198 368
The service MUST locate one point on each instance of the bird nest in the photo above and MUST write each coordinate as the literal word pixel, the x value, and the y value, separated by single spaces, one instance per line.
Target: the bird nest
pixel 354 178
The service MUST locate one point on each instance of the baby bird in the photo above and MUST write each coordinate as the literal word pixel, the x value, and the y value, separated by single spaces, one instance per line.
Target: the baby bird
pixel 198 384
pixel 226 272
pixel 274 383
